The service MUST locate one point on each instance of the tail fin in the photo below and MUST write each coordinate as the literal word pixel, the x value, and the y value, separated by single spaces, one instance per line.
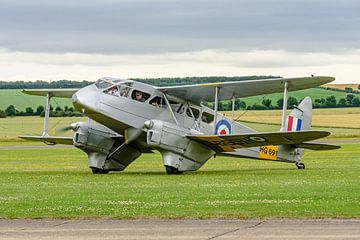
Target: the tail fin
pixel 299 119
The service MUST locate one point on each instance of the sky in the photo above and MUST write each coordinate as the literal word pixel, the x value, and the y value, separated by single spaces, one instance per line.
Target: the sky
pixel 89 39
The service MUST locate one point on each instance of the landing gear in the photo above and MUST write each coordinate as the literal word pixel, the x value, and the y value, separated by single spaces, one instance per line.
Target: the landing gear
pixel 300 165
pixel 172 171
pixel 99 171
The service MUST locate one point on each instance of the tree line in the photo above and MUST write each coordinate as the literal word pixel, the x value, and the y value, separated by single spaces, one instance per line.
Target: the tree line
pixel 11 111
pixel 267 104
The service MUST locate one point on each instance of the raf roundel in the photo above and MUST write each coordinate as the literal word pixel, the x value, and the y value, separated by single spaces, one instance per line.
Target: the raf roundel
pixel 223 127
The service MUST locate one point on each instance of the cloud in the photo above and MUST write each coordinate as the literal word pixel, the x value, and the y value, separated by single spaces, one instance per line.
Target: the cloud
pixel 179 25
pixel 80 66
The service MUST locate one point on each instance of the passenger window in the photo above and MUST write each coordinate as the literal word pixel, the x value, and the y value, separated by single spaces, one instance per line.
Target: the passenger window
pixel 158 102
pixel 124 90
pixel 139 96
pixel 194 111
pixel 181 109
pixel 207 117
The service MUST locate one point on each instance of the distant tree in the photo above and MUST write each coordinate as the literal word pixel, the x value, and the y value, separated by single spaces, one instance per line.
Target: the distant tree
pixel 239 104
pixel 348 90
pixel 280 102
pixel 292 102
pixel 355 102
pixel 267 103
pixel 29 111
pixel 10 110
pixel 330 101
pixel 2 114
pixel 342 102
pixel 349 98
pixel 39 110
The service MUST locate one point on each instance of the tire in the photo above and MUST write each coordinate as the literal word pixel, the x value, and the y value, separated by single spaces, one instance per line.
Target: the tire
pixel 172 171
pixel 300 166
pixel 99 171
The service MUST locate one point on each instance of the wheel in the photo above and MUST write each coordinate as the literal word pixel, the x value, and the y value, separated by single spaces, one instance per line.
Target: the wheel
pixel 171 170
pixel 99 171
pixel 300 165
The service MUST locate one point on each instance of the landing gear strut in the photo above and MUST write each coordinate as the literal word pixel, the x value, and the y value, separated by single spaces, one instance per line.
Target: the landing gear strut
pixel 300 165
pixel 172 170
pixel 99 171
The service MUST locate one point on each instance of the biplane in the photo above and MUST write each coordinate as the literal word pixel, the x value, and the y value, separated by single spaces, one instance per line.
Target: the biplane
pixel 131 118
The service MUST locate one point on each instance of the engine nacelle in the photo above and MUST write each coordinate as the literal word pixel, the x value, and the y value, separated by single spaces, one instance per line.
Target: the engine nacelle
pixel 98 141
pixel 177 150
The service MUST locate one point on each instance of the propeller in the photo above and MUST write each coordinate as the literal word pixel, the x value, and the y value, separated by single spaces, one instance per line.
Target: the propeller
pixel 73 126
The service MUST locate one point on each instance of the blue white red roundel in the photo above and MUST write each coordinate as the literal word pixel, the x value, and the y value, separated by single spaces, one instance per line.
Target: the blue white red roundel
pixel 223 127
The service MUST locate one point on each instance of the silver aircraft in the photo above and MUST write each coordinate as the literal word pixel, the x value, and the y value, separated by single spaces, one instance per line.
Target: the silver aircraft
pixel 131 118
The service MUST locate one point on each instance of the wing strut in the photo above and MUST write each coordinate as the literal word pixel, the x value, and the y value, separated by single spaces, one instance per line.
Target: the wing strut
pixel 170 109
pixel 284 107
pixel 47 115
pixel 216 107
pixel 233 108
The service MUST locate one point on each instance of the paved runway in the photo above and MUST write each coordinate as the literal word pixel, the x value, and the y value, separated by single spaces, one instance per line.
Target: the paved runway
pixel 180 229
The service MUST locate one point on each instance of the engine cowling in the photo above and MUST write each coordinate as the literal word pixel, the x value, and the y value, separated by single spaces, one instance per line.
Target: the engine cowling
pixel 177 150
pixel 98 141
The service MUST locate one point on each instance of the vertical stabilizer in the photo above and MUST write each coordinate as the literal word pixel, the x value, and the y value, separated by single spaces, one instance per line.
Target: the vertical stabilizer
pixel 300 117
pixel 298 120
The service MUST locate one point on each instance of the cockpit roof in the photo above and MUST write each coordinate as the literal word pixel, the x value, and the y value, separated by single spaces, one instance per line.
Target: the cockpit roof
pixel 114 80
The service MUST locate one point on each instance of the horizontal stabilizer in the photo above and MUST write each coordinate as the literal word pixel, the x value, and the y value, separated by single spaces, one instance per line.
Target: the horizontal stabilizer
pixel 62 93
pixel 49 139
pixel 317 146
pixel 227 143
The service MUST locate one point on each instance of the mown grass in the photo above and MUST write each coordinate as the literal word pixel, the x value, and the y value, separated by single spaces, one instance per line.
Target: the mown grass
pixel 56 183
pixel 341 122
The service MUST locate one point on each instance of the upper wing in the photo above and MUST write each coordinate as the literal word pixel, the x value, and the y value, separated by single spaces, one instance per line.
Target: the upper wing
pixel 62 93
pixel 227 143
pixel 206 92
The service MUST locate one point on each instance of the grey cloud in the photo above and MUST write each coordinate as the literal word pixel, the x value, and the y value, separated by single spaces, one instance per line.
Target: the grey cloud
pixel 178 25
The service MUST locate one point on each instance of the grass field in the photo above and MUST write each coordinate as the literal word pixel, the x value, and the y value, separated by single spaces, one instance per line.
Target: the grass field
pixel 342 86
pixel 21 101
pixel 56 183
pixel 341 122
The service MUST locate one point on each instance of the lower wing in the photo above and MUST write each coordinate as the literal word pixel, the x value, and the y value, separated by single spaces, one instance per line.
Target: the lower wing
pixel 228 143
pixel 50 140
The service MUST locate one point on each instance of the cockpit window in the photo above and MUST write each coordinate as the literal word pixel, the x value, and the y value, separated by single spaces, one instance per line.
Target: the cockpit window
pixel 194 111
pixel 120 90
pixel 101 84
pixel 113 91
pixel 207 117
pixel 139 96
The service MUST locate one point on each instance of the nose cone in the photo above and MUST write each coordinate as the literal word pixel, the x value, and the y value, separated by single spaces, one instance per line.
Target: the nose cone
pixel 86 99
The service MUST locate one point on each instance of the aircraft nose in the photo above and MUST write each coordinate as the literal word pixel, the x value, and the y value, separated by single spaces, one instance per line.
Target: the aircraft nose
pixel 85 99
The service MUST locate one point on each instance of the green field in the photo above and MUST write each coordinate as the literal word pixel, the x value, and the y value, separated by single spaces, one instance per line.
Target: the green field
pixel 21 101
pixel 341 122
pixel 56 183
